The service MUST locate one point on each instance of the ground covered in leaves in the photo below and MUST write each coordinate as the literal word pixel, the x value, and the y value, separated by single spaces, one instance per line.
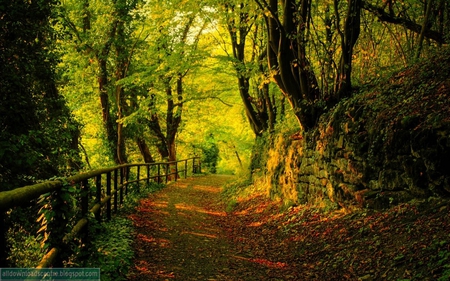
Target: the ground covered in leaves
pixel 187 231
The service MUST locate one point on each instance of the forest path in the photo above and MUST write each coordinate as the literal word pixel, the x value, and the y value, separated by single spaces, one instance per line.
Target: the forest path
pixel 184 233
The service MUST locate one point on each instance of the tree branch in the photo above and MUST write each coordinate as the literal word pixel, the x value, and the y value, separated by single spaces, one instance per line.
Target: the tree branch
pixel 386 17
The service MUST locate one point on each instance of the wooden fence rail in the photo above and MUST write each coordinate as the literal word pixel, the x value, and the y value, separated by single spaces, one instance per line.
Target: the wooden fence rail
pixel 111 185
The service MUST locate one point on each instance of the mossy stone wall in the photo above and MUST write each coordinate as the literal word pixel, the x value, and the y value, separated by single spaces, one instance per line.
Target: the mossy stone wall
pixel 385 145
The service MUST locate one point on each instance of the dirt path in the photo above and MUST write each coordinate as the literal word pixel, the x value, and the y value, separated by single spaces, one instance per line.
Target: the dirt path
pixel 184 233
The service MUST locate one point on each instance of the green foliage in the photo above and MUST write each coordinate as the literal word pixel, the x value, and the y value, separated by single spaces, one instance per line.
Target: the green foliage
pixel 111 245
pixel 38 133
pixel 232 190
pixel 57 215
pixel 30 238
pixel 210 153
pixel 231 205
pixel 24 249
pixel 133 198
pixel 111 248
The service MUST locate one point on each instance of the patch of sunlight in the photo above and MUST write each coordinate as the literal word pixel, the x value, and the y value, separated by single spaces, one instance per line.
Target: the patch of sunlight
pixel 181 185
pixel 243 212
pixel 164 243
pixel 256 223
pixel 212 189
pixel 165 213
pixel 160 204
pixel 193 208
pixel 200 234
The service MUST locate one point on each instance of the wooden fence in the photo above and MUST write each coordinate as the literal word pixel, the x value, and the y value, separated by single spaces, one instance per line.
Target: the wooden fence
pixel 111 185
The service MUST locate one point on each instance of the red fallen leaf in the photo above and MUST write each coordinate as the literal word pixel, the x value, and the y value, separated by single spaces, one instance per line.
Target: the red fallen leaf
pixel 141 268
pixel 270 263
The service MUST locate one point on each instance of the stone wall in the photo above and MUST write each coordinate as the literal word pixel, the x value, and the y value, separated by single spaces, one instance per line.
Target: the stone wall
pixel 381 147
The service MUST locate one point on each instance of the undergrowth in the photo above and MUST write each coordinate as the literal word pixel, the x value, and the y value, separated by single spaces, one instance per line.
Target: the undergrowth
pixel 111 247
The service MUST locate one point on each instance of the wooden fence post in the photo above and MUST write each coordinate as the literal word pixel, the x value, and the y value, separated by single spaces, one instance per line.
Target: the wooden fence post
pixel 138 177
pixel 115 189
pixel 159 173
pixel 176 171
pixel 98 199
pixel 108 193
pixel 127 177
pixel 85 209
pixel 122 172
pixel 167 172
pixel 148 174
pixel 185 168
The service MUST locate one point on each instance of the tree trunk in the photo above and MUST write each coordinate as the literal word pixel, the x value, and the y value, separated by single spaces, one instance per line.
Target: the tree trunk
pixel 86 16
pixel 429 3
pixel 287 58
pixel 238 33
pixel 161 145
pixel 121 66
pixel 349 37
pixel 145 151
pixel 107 119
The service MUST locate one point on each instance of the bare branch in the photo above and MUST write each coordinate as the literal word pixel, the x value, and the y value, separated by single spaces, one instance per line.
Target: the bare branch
pixel 386 17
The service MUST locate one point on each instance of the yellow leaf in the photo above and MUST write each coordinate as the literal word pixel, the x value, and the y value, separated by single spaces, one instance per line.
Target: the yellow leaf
pixel 43 228
pixel 40 218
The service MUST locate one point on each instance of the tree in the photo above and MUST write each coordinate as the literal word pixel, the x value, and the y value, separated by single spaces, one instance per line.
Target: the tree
pixel 173 53
pixel 243 27
pixel 288 33
pixel 106 40
pixel 349 36
pixel 39 138
pixel 400 15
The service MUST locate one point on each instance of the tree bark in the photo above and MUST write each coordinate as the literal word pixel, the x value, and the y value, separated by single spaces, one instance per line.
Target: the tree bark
pixel 238 31
pixel 288 63
pixel 120 73
pixel 108 121
pixel 145 151
pixel 349 37
pixel 161 145
pixel 429 4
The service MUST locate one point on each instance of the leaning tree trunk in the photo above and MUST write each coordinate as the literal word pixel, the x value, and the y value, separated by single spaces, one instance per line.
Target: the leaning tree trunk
pixel 145 151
